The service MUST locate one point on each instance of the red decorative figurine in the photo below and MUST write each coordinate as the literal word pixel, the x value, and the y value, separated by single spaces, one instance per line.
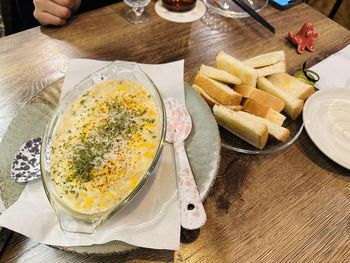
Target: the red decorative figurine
pixel 304 38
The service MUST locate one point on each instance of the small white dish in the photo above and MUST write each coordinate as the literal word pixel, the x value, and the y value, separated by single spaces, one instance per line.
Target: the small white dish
pixel 326 117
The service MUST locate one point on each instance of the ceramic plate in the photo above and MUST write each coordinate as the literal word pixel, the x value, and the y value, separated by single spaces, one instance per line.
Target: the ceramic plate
pixel 204 158
pixel 327 121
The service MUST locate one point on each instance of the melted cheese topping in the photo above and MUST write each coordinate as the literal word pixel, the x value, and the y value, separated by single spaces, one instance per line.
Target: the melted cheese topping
pixel 104 145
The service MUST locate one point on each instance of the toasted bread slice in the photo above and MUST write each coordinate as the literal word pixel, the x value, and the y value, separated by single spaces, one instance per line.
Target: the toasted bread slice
pixel 255 133
pixel 275 117
pixel 261 110
pixel 219 74
pixel 272 69
pixel 217 90
pixel 211 102
pixel 260 97
pixel 245 73
pixel 245 90
pixel 280 133
pixel 293 106
pixel 266 59
pixel 234 107
pixel 291 85
pixel 268 100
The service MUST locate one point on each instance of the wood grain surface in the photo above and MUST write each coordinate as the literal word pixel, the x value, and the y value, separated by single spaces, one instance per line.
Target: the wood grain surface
pixel 291 206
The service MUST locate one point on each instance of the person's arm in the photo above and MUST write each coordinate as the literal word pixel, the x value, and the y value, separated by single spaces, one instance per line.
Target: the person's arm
pixel 54 12
pixel 46 15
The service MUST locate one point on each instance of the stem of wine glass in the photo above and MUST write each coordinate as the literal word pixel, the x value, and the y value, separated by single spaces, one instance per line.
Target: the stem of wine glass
pixel 138 10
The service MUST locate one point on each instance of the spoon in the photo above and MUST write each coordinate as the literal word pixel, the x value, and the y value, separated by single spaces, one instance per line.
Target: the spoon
pixel 26 162
pixel 179 126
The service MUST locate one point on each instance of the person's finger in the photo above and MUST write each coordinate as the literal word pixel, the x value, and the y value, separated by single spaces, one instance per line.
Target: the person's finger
pixel 45 18
pixel 71 4
pixel 52 8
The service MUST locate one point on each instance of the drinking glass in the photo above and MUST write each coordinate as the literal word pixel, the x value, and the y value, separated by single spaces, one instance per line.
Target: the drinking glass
pixel 179 5
pixel 137 14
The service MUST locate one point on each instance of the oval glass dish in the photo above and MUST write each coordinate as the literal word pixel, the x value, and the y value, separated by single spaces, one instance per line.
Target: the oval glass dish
pixel 234 143
pixel 228 8
pixel 92 204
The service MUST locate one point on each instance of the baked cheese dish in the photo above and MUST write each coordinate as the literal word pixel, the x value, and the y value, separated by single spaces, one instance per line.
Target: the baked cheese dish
pixel 104 145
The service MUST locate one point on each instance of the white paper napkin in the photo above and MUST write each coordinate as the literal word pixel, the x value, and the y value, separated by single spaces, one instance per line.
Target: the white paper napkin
pixel 151 220
pixel 334 71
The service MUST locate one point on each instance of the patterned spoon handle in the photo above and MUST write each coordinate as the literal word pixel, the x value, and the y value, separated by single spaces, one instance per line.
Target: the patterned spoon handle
pixel 192 211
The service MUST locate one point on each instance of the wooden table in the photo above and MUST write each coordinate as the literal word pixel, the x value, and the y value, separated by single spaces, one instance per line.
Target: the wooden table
pixel 291 206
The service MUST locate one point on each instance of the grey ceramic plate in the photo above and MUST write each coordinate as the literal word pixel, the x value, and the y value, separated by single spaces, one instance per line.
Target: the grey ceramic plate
pixel 203 148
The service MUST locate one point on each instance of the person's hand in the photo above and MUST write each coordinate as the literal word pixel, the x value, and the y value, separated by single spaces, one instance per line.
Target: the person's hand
pixel 54 12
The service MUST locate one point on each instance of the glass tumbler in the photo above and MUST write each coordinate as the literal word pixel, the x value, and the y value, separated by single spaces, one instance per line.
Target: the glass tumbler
pixel 137 13
pixel 179 5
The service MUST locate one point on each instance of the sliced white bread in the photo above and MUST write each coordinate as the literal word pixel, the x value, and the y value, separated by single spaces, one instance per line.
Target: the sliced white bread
pixel 234 107
pixel 268 100
pixel 245 90
pixel 219 74
pixel 275 117
pixel 271 69
pixel 260 97
pixel 217 90
pixel 255 133
pixel 280 133
pixel 266 59
pixel 291 85
pixel 293 106
pixel 210 101
pixel 261 110
pixel 244 72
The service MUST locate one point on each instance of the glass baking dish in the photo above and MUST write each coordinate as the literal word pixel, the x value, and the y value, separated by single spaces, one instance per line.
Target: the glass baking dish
pixel 75 221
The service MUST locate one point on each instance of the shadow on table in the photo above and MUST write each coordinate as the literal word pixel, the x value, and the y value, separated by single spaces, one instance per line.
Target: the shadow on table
pixel 189 236
pixel 137 255
pixel 319 158
pixel 229 185
pixel 152 255
pixel 140 254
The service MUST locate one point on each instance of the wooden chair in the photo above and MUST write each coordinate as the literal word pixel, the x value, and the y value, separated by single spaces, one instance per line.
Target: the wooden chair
pixel 10 17
pixel 334 8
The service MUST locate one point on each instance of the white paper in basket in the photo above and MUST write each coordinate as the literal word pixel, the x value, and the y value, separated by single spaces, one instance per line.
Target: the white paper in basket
pixel 151 220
